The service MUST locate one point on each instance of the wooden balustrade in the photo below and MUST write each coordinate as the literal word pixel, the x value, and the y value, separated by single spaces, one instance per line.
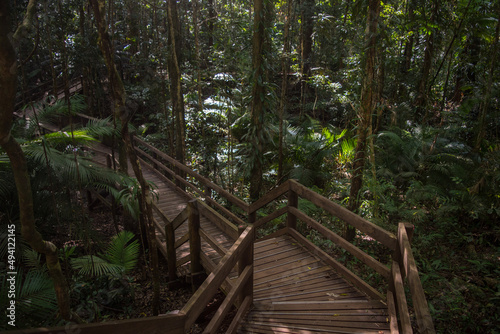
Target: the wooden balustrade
pixel 403 265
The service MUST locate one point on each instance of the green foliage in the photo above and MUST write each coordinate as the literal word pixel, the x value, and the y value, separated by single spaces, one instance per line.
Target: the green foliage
pixel 120 257
pixel 34 294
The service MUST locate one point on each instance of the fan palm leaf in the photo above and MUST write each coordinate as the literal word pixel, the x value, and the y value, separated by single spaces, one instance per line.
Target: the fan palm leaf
pixel 123 251
pixel 92 265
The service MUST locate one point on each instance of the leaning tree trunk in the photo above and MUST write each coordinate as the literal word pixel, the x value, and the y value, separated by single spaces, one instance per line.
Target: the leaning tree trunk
pixel 119 97
pixel 367 107
pixel 8 88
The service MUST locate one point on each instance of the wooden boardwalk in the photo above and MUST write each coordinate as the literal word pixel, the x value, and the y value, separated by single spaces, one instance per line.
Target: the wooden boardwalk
pixel 282 283
pixel 294 291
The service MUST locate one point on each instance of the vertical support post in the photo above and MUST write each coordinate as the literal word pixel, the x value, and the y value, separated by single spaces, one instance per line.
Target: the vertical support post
pixel 194 239
pixel 208 192
pixel 155 156
pixel 108 160
pixel 293 201
pixel 246 260
pixel 171 256
pixel 252 217
pixel 409 231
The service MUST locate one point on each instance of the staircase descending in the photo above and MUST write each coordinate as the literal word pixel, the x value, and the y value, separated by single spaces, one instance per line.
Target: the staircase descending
pixel 279 283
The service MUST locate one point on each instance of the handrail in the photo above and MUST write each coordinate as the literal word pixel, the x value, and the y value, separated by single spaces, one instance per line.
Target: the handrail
pixel 241 248
pixel 230 197
pixel 174 323
pixel 404 259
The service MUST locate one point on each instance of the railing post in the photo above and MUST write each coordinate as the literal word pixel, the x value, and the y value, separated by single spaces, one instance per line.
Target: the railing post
pixel 208 192
pixel 293 201
pixel 246 260
pixel 194 240
pixel 171 255
pixel 109 160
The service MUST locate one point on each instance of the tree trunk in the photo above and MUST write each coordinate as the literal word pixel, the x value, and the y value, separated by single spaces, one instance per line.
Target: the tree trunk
pixel 487 92
pixel 261 16
pixel 8 87
pixel 285 68
pixel 423 87
pixel 119 97
pixel 175 81
pixel 367 107
pixel 306 42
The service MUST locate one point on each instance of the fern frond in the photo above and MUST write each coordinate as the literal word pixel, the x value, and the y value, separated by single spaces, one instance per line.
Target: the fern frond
pixel 91 265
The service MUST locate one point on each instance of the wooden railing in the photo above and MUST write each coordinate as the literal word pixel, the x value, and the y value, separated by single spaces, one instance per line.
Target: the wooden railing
pixel 240 255
pixel 402 265
pixel 240 293
pixel 197 184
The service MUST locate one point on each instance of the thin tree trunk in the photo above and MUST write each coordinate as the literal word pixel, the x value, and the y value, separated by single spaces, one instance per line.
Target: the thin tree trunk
pixel 285 68
pixel 306 42
pixel 196 10
pixel 175 81
pixel 367 107
pixel 487 93
pixel 258 94
pixel 8 87
pixel 428 59
pixel 119 97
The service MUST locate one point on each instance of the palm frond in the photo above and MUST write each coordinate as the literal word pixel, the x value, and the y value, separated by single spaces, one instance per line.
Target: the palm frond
pixel 98 128
pixel 123 251
pixel 35 295
pixel 91 265
pixel 33 259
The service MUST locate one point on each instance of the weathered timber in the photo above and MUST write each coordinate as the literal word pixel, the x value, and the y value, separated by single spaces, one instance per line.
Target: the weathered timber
pixel 238 286
pixel 237 220
pixel 180 218
pixel 194 236
pixel 293 202
pixel 386 238
pixel 207 290
pixel 332 236
pixel 242 311
pixel 213 243
pixel 423 316
pixel 181 240
pixel 278 233
pixel 170 250
pixel 225 225
pixel 270 217
pixel 399 292
pixel 391 308
pixel 154 325
pixel 349 275
pixel 269 197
